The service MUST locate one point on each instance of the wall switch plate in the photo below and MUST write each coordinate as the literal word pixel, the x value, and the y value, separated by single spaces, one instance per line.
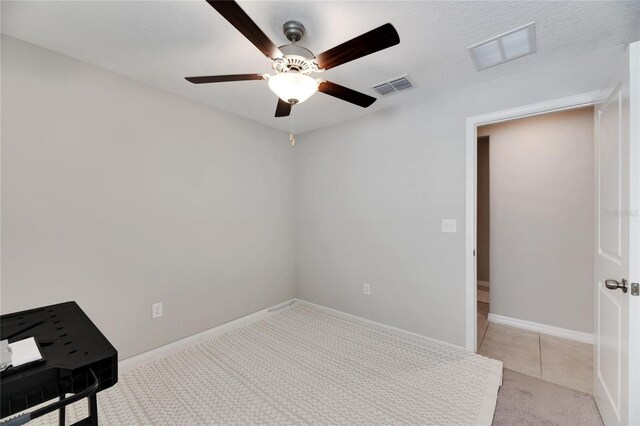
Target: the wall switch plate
pixel 366 289
pixel 449 225
pixel 156 310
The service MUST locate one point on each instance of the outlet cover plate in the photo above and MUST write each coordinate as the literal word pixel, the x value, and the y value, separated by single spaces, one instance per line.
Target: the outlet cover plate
pixel 449 226
pixel 156 310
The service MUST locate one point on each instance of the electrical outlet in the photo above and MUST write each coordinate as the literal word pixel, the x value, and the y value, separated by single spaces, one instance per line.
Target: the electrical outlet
pixel 156 310
pixel 449 225
pixel 366 289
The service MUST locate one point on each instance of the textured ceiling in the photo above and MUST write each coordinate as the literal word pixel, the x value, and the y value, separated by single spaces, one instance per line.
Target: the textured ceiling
pixel 161 42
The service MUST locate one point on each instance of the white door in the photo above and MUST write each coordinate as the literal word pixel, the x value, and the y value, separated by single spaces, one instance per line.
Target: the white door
pixel 617 258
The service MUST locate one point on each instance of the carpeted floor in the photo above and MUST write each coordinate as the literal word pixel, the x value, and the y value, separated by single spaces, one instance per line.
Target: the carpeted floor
pixel 525 400
pixel 304 365
pixel 307 365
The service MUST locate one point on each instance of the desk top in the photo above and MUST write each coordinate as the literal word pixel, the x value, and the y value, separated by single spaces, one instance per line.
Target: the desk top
pixel 71 345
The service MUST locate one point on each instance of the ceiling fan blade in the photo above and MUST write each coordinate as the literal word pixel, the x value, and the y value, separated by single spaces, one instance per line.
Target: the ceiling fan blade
pixel 283 109
pixel 232 12
pixel 346 94
pixel 224 78
pixel 363 45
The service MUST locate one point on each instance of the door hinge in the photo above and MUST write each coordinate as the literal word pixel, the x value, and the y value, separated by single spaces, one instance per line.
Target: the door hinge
pixel 635 289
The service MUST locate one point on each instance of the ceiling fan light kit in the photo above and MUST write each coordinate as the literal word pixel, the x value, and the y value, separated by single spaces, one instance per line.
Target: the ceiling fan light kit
pixel 293 87
pixel 292 83
pixel 293 64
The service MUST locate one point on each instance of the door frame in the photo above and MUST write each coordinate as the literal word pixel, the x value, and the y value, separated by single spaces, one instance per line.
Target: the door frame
pixel 553 105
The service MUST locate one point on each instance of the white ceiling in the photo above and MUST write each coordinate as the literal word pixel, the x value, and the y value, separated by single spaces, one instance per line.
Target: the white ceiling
pixel 161 42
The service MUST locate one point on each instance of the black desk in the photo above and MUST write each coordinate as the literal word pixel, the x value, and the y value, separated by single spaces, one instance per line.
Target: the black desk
pixel 78 360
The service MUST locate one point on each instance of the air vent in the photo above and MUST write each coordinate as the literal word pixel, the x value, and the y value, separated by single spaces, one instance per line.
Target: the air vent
pixel 401 84
pixel 392 86
pixel 384 89
pixel 506 47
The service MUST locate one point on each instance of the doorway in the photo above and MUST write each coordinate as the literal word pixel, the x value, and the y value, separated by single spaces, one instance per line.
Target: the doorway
pixel 483 252
pixel 572 102
pixel 535 233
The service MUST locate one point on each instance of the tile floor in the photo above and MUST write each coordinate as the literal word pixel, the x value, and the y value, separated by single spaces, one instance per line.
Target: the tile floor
pixel 482 321
pixel 561 361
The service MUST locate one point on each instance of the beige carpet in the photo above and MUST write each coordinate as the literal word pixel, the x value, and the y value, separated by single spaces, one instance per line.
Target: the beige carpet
pixel 525 400
pixel 305 365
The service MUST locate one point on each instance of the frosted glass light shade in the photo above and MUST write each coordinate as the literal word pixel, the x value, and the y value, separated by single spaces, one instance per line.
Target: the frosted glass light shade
pixel 293 87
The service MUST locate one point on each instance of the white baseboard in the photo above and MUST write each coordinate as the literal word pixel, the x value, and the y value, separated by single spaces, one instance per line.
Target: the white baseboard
pixel 486 284
pixel 381 324
pixel 144 358
pixel 543 328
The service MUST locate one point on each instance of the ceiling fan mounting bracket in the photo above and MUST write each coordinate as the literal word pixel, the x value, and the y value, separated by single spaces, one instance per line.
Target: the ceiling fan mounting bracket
pixel 293 30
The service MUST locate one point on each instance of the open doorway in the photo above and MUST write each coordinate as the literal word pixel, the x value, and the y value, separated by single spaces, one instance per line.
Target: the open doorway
pixel 483 251
pixel 534 251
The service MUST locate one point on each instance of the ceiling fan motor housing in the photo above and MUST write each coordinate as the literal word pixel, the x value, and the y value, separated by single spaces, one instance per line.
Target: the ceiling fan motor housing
pixel 295 58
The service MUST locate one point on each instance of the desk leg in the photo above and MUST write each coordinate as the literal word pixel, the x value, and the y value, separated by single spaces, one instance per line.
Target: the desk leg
pixel 93 410
pixel 62 413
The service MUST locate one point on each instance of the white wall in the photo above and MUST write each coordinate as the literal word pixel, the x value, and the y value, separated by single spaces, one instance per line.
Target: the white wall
pixel 371 194
pixel 542 219
pixel 118 195
pixel 635 36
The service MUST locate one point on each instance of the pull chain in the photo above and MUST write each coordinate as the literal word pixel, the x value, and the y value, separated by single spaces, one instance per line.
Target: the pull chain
pixel 292 138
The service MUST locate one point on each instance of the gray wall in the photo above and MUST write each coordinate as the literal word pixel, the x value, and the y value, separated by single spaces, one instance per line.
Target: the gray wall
pixel 542 220
pixel 118 195
pixel 371 194
pixel 483 208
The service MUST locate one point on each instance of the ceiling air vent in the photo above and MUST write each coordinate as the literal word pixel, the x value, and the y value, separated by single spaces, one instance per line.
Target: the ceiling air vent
pixel 505 47
pixel 392 86
pixel 384 89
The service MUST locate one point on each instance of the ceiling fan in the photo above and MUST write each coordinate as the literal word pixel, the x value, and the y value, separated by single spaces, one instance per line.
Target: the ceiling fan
pixel 294 64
